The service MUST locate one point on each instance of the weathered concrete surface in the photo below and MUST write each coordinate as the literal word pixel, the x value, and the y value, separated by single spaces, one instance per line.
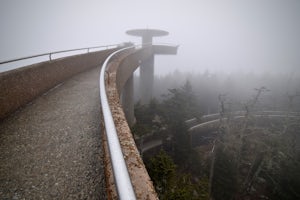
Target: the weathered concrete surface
pixel 140 179
pixel 20 86
pixel 51 149
pixel 118 73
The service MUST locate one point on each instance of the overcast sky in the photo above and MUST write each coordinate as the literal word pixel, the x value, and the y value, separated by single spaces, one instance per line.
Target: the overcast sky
pixel 226 35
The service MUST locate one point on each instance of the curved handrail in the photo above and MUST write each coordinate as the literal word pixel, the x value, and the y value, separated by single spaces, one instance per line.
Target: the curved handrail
pixel 57 52
pixel 121 175
pixel 124 186
pixel 215 118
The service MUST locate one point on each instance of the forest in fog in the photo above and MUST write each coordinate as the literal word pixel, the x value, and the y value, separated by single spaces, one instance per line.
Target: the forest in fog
pixel 254 157
pixel 238 87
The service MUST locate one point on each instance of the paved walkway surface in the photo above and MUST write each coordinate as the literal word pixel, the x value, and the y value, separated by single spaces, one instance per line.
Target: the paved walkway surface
pixel 51 148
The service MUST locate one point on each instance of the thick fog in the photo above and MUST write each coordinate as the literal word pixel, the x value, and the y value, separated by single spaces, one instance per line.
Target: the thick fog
pixel 221 35
pixel 237 59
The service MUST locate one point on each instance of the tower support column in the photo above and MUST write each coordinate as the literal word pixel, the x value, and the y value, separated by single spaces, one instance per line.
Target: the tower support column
pixel 146 80
pixel 128 101
pixel 147 67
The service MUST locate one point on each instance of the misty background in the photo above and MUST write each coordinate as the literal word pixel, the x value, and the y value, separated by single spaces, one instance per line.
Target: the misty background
pixel 219 36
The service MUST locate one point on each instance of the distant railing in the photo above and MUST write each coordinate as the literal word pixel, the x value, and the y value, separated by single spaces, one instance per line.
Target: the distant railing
pixel 215 119
pixel 58 52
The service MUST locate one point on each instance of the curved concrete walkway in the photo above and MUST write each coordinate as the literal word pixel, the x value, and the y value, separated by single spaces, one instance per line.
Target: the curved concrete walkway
pixel 51 148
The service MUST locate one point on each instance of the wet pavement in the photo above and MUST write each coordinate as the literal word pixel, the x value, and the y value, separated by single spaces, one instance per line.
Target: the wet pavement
pixel 51 148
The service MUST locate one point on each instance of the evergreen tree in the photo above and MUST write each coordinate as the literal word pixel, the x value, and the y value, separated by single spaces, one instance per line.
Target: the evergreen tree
pixel 180 104
pixel 162 171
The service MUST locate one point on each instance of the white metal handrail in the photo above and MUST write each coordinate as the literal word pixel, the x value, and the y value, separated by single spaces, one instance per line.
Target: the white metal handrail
pixel 124 186
pixel 122 179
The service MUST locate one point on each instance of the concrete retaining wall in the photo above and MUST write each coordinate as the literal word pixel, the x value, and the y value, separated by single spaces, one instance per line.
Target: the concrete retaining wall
pixel 119 70
pixel 118 75
pixel 20 86
pixel 128 65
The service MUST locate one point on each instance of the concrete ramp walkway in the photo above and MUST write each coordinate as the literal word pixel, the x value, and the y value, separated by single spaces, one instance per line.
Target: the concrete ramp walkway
pixel 51 148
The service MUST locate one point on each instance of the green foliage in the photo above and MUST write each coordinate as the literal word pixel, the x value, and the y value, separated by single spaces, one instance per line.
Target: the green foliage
pixel 257 158
pixel 171 184
pixel 171 181
pixel 224 184
pixel 252 158
pixel 140 129
pixel 145 116
pixel 281 170
pixel 180 104
pixel 145 113
pixel 289 180
pixel 186 189
pixel 162 171
pixel 284 183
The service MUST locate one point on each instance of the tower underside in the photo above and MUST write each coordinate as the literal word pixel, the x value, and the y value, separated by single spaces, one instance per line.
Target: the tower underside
pixel 145 61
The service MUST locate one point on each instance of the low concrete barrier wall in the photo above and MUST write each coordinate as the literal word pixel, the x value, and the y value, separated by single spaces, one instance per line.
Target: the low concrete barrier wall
pixel 115 80
pixel 20 86
pixel 120 69
pixel 129 64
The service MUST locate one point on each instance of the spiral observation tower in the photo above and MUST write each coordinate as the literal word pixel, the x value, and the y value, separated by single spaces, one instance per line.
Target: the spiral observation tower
pixel 147 67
